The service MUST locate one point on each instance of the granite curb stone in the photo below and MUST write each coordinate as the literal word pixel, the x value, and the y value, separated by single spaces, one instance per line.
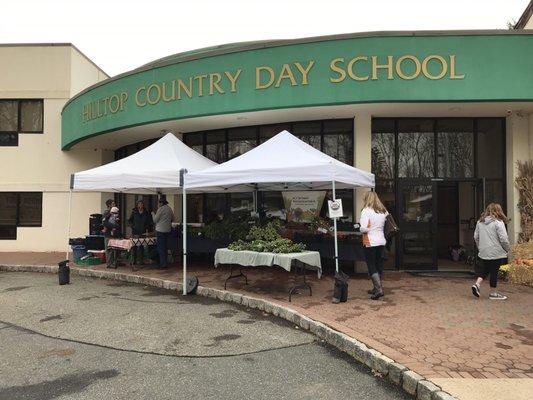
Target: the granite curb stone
pixel 410 381
pixel 442 396
pixel 425 390
pixel 395 373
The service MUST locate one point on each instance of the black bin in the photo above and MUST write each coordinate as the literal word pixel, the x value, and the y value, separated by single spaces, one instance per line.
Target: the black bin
pixel 95 224
pixel 63 273
pixel 94 242
pixel 340 288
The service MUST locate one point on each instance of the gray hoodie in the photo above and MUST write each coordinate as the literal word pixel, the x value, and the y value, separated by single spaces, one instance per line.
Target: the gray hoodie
pixel 491 239
pixel 163 219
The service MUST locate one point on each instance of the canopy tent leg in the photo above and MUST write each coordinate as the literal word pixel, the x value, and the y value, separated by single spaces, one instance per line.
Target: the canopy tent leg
pixel 184 225
pixel 335 232
pixel 69 217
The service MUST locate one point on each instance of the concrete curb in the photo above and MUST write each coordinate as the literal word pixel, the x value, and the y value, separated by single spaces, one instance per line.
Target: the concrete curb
pixel 411 382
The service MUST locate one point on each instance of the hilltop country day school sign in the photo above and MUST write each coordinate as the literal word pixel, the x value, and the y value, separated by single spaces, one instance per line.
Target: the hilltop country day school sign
pixel 242 78
pixel 359 68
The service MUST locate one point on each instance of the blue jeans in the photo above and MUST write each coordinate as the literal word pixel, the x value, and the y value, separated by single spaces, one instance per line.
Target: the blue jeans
pixel 162 248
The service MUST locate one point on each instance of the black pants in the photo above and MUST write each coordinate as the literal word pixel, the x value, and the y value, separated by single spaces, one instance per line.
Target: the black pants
pixel 374 259
pixel 491 267
pixel 162 248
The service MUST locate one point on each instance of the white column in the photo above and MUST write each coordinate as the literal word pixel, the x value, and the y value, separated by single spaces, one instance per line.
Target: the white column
pixel 362 159
pixel 519 147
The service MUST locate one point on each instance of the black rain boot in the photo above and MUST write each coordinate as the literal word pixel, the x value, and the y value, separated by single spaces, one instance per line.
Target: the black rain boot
pixel 378 291
pixel 337 293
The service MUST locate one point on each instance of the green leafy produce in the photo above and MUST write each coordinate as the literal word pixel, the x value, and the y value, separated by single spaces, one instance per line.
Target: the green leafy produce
pixel 267 239
pixel 233 227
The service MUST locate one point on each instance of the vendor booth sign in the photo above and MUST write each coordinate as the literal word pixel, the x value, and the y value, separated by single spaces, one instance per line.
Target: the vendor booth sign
pixel 303 206
pixel 335 208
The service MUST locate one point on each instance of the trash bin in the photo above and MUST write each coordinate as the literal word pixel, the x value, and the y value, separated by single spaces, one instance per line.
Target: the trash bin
pixel 78 251
pixel 340 288
pixel 63 273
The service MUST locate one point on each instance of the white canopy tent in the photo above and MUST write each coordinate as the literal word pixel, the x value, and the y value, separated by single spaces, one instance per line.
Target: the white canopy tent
pixel 284 162
pixel 156 169
pixel 153 170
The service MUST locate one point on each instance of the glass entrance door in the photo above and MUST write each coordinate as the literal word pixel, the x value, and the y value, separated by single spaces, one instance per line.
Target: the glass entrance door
pixel 416 214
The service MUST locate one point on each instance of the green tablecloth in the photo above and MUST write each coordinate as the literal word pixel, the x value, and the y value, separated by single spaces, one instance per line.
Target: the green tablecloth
pixel 310 259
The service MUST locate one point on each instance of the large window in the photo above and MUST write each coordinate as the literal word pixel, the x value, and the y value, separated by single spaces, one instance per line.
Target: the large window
pixel 448 149
pixel 439 148
pixel 415 148
pixel 455 148
pixel 19 116
pixel 333 137
pixel 22 209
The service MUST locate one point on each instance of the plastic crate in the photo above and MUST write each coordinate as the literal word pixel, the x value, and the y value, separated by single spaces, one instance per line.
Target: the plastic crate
pixel 89 261
pixel 78 252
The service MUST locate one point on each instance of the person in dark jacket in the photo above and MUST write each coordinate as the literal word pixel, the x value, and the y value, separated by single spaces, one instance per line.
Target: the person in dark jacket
pixel 140 222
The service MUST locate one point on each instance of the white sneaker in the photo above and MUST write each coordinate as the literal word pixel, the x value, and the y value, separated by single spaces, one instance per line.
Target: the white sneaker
pixel 497 296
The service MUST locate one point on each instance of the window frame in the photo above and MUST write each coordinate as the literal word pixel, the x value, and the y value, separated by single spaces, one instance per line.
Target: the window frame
pixel 259 139
pixel 25 132
pixel 18 223
pixel 19 130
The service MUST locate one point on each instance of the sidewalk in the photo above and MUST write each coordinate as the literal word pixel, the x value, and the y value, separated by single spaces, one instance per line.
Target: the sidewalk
pixel 473 348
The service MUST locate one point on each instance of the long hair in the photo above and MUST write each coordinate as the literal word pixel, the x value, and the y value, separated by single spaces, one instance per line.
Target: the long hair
pixel 495 211
pixel 371 200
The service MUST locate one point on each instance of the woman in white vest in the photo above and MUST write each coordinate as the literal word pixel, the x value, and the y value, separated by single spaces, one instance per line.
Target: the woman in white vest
pixel 372 222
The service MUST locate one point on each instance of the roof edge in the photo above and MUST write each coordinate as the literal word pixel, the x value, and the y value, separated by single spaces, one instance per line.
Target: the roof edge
pixel 60 44
pixel 213 51
pixel 525 17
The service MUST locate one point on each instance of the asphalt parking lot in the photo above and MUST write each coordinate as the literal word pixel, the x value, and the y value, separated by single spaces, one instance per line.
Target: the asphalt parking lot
pixel 97 339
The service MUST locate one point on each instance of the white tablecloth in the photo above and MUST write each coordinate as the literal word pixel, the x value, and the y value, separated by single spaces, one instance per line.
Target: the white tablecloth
pixel 311 259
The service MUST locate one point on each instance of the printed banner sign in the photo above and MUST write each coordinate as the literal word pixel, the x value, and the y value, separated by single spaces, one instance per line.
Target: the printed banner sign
pixel 303 206
pixel 335 208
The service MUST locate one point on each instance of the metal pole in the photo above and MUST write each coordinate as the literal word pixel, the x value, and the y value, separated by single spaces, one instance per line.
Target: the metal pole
pixel 184 224
pixel 184 227
pixel 335 231
pixel 69 214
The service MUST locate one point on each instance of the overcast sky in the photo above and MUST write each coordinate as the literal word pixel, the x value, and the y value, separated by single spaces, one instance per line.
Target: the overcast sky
pixel 120 35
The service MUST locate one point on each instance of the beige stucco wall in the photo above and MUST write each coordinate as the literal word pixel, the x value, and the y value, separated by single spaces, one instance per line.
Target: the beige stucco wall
pixel 519 148
pixel 83 72
pixel 37 163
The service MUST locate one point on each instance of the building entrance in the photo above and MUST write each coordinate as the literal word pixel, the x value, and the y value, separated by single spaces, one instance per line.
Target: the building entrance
pixel 437 219
pixel 434 175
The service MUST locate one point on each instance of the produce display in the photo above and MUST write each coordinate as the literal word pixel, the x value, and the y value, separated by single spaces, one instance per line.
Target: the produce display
pixel 267 239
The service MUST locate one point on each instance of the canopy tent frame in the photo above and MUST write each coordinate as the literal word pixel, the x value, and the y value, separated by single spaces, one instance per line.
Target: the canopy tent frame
pixel 343 174
pixel 162 165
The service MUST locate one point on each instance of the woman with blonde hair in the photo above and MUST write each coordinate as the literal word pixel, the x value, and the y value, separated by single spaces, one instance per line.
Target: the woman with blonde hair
pixel 493 245
pixel 372 222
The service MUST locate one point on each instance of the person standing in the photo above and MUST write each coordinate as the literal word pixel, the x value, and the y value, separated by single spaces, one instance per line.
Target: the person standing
pixel 112 230
pixel 140 222
pixel 163 225
pixel 110 203
pixel 372 223
pixel 493 247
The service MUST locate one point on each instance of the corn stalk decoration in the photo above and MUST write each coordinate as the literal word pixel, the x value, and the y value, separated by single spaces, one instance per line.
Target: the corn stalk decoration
pixel 524 185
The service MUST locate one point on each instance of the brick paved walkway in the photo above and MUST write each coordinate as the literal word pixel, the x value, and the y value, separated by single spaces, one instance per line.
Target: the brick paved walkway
pixel 433 326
